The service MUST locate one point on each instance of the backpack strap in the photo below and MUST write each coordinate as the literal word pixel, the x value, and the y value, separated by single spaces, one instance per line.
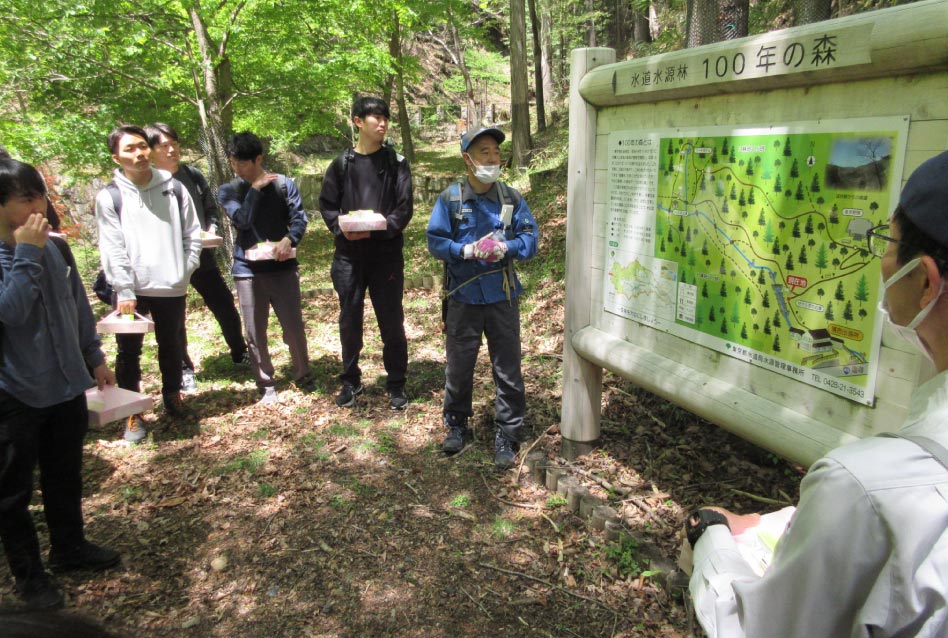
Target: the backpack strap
pixel 113 190
pixel 282 188
pixel 196 177
pixel 506 218
pixel 392 157
pixel 936 449
pixel 116 194
pixel 347 157
pixel 178 189
pixel 454 206
pixel 64 250
pixel 454 215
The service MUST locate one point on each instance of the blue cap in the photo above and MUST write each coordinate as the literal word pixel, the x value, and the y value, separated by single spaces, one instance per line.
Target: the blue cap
pixel 475 133
pixel 924 199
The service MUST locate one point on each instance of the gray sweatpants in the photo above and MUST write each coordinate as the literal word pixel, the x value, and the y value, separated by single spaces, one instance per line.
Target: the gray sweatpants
pixel 280 289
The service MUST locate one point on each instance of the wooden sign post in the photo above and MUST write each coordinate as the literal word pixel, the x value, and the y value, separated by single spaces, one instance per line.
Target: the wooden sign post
pixel 718 205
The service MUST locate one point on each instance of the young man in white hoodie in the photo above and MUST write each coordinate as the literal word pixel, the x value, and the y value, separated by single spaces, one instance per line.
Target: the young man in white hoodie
pixel 149 244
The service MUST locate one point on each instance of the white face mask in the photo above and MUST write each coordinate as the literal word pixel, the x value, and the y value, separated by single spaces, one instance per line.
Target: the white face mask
pixel 908 332
pixel 486 174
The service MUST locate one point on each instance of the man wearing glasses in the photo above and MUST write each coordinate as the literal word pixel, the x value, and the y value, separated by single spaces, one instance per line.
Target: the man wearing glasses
pixel 866 552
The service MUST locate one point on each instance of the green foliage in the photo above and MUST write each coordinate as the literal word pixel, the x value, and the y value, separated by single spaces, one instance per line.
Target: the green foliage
pixel 78 68
pixel 249 463
pixel 554 501
pixel 461 501
pixel 489 70
pixel 625 554
pixel 502 528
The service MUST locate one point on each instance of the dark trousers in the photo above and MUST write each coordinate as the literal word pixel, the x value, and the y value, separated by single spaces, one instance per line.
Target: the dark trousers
pixel 500 323
pixel 280 289
pixel 53 438
pixel 210 284
pixel 168 315
pixel 385 281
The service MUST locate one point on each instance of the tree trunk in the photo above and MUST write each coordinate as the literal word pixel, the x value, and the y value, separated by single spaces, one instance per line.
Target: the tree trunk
pixel 546 53
pixel 215 92
pixel 620 26
pixel 590 23
pixel 654 25
pixel 404 122
pixel 537 66
pixel 732 18
pixel 808 11
pixel 702 22
pixel 473 116
pixel 641 33
pixel 519 105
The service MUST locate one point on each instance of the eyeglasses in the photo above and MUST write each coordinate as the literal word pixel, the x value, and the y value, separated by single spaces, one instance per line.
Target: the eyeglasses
pixel 878 239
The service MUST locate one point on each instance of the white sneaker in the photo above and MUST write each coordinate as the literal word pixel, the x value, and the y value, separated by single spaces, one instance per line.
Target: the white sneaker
pixel 269 396
pixel 188 383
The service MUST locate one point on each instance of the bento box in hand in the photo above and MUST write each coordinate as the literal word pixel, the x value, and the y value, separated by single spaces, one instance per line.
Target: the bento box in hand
pixel 114 323
pixel 210 241
pixel 360 221
pixel 265 251
pixel 113 403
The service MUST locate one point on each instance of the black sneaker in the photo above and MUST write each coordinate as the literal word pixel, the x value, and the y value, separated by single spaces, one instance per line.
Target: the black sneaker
pixel 454 441
pixel 174 405
pixel 458 433
pixel 306 384
pixel 240 358
pixel 39 592
pixel 397 398
pixel 347 394
pixel 86 556
pixel 505 451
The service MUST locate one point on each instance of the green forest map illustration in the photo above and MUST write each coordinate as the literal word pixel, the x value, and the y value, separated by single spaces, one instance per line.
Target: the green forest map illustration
pixel 759 242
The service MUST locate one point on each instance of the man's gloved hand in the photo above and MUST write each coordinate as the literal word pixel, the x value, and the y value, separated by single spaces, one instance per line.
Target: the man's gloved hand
pixel 489 249
pixel 468 252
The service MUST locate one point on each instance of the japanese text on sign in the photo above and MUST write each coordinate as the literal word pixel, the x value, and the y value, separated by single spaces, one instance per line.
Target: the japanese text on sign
pixel 754 58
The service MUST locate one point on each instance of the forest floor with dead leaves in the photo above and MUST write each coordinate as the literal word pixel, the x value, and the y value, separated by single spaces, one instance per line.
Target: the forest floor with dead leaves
pixel 304 520
pixel 307 520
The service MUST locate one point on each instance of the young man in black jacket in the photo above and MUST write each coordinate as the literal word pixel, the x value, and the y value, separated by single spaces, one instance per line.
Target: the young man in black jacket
pixel 266 209
pixel 370 176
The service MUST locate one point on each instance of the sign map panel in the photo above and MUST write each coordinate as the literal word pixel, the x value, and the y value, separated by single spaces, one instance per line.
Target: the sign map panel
pixel 752 242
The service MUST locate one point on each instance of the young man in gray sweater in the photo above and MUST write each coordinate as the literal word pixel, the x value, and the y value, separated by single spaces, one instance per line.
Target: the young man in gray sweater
pixel 149 244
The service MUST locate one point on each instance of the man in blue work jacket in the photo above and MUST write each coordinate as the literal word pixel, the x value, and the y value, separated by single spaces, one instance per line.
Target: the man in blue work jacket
pixel 479 228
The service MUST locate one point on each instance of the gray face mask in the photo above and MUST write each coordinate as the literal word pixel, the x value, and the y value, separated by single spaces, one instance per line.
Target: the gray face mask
pixel 908 332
